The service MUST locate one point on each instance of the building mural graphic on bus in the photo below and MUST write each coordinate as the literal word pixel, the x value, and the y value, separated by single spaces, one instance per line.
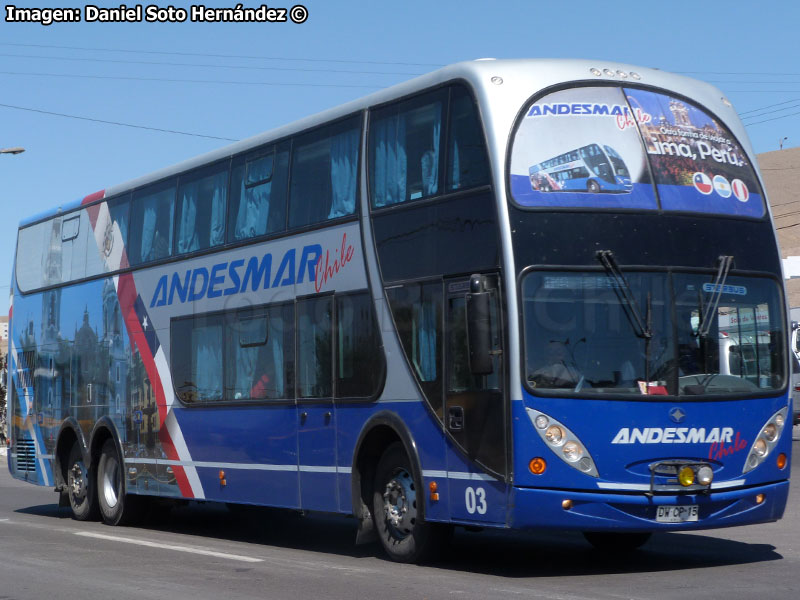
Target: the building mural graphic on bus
pixel 597 147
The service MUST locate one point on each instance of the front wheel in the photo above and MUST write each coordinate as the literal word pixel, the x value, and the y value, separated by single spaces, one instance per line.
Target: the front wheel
pixel 616 542
pixel 80 487
pixel 116 507
pixel 397 502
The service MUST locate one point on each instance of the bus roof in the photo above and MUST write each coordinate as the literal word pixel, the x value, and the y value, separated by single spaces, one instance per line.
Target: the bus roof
pixel 506 83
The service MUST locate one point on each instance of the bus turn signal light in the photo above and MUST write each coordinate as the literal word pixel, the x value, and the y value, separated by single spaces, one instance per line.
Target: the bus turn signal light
pixel 433 487
pixel 781 460
pixel 537 466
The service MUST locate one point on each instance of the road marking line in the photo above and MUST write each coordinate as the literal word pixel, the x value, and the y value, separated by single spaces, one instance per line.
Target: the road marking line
pixel 189 549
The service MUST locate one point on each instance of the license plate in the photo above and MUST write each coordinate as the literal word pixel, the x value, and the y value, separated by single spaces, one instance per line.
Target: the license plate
pixel 677 514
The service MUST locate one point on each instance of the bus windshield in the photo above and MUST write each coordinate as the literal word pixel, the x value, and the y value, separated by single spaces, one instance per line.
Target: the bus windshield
pixel 583 335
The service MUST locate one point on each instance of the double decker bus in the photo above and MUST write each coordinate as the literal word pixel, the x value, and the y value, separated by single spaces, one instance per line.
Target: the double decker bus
pixel 371 312
pixel 590 168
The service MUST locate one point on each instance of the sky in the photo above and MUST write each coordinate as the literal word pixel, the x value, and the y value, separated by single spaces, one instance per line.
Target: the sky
pixel 149 95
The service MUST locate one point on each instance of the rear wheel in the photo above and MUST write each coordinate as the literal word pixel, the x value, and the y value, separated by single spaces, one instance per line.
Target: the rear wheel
pixel 397 502
pixel 593 187
pixel 80 487
pixel 617 542
pixel 116 507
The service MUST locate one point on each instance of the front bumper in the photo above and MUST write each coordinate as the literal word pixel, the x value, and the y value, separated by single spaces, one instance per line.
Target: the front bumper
pixel 543 509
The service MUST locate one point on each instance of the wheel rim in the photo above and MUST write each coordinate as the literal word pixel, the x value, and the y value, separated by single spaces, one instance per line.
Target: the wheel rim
pixel 400 504
pixel 111 483
pixel 77 482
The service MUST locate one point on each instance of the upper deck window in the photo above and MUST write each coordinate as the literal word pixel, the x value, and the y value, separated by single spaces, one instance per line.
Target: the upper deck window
pixel 201 209
pixel 152 216
pixel 324 174
pixel 604 147
pixel 405 150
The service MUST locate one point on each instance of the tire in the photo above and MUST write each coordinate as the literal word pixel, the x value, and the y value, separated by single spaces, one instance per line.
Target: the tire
pixel 405 537
pixel 593 187
pixel 116 507
pixel 617 542
pixel 81 487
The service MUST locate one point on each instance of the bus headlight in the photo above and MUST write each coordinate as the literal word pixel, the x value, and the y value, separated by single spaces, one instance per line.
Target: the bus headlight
pixel 555 435
pixel 563 442
pixel 767 439
pixel 572 452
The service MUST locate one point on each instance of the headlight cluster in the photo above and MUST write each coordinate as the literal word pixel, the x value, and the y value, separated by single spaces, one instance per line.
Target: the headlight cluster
pixel 563 442
pixel 766 440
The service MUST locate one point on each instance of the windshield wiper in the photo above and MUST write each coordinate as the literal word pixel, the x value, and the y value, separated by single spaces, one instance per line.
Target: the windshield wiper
pixel 606 257
pixel 725 263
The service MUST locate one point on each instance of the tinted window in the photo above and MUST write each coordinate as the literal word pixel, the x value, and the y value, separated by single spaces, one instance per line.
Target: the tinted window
pixel 258 193
pixel 417 311
pixel 197 358
pixel 324 169
pixel 260 354
pixel 404 144
pixel 152 218
pixel 359 356
pixel 201 209
pixel 314 359
pixel 467 163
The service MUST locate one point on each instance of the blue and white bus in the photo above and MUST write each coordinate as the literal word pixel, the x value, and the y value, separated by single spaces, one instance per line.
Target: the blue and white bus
pixel 371 312
pixel 590 168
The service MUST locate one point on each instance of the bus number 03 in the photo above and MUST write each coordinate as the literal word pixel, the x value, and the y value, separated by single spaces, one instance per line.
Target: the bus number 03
pixel 475 500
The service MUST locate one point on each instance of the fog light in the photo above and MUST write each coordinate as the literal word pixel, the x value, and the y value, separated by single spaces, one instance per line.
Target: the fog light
pixel 705 475
pixel 781 462
pixel 686 476
pixel 760 499
pixel 537 466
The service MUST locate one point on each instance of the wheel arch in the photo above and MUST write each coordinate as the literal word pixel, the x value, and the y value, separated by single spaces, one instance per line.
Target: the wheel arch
pixel 69 434
pixel 106 429
pixel 381 430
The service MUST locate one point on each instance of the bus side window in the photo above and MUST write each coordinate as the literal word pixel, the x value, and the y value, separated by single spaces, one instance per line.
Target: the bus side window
pixel 259 185
pixel 417 311
pixel 359 355
pixel 152 218
pixel 404 150
pixel 259 358
pixel 467 163
pixel 324 174
pixel 202 196
pixel 314 360
pixel 196 357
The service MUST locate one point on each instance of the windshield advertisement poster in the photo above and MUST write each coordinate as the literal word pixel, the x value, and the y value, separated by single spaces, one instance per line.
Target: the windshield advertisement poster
pixel 597 147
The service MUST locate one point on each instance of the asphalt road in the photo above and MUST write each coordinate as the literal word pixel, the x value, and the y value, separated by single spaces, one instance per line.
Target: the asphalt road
pixel 203 552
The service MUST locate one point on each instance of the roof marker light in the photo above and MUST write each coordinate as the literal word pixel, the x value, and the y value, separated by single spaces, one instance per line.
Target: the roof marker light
pixel 635 75
pixel 608 72
pixel 595 72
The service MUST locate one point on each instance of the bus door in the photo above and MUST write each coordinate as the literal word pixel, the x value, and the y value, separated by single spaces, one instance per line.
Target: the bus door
pixel 315 409
pixel 474 403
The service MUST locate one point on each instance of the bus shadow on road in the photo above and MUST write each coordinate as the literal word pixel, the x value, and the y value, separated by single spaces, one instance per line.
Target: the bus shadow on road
pixel 567 553
pixel 502 554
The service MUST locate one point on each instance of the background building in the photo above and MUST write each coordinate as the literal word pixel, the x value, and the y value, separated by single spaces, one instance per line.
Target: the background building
pixel 781 171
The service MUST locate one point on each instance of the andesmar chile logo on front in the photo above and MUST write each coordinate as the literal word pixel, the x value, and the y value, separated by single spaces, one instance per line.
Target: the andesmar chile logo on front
pixel 718 437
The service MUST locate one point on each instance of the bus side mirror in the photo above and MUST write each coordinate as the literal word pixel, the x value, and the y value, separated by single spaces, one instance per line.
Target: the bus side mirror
pixel 479 326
